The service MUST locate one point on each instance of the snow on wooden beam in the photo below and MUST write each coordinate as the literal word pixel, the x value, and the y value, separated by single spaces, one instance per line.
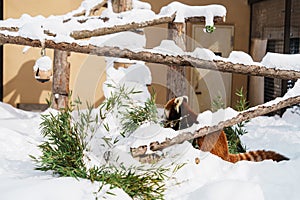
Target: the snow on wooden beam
pixel 243 116
pixel 180 60
pixel 119 28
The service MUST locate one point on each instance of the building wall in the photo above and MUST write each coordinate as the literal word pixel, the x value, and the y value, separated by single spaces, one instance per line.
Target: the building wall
pixel 87 72
pixel 20 86
pixel 269 24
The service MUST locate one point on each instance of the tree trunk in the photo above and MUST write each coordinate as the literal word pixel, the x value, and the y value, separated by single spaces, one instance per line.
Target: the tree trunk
pixel 121 5
pixel 61 76
pixel 176 76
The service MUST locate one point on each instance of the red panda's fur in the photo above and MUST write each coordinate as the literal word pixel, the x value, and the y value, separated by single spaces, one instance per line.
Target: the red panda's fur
pixel 178 111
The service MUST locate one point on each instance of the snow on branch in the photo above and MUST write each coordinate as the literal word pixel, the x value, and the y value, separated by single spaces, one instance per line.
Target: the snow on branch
pixel 119 28
pixel 80 24
pixel 174 12
pixel 151 57
pixel 242 116
pixel 254 70
pixel 183 12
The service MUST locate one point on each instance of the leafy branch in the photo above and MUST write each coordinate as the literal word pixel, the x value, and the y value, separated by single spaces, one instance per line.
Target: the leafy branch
pixel 68 133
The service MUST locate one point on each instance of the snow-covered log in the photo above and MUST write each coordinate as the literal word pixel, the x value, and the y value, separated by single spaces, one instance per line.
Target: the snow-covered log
pixel 243 116
pixel 131 26
pixel 147 56
pixel 119 28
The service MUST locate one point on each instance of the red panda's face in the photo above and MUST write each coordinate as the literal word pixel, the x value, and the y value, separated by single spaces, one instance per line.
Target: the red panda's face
pixel 173 108
pixel 178 114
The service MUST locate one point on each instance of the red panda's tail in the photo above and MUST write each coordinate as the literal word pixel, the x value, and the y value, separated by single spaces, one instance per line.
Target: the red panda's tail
pixel 257 156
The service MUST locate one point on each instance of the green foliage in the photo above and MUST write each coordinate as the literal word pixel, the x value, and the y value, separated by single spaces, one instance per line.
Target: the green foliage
pixel 234 142
pixel 62 152
pixel 233 132
pixel 217 104
pixel 137 115
pixel 130 114
pixel 137 182
pixel 118 100
pixel 68 133
pixel 242 103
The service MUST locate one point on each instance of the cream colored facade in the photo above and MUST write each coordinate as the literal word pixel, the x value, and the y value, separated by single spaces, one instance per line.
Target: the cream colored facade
pixel 20 86
pixel 88 72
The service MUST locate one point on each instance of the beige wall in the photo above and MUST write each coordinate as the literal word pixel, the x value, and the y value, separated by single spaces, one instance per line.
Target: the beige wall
pixel 87 72
pixel 20 86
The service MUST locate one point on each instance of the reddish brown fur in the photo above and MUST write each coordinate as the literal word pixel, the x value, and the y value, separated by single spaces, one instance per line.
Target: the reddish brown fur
pixel 216 143
pixel 188 116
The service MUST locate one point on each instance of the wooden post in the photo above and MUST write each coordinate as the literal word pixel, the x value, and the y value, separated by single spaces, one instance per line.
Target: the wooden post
pixel 61 77
pixel 121 5
pixel 176 76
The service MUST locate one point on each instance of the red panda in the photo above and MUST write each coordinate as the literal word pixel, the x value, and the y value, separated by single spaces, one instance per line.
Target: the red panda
pixel 179 116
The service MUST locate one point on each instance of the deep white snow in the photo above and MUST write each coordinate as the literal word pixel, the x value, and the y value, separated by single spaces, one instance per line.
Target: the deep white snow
pixel 211 179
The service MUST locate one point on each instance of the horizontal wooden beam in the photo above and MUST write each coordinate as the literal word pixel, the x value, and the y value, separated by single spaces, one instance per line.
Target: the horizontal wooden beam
pixel 149 57
pixel 120 28
pixel 243 116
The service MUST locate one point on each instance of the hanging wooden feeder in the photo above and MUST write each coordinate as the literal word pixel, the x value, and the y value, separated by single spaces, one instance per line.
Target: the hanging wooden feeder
pixel 43 68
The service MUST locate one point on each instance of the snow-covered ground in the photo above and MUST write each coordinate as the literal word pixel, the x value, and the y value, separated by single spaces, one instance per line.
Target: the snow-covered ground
pixel 212 178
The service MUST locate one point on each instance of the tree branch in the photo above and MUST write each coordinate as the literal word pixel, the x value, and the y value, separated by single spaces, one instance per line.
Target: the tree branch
pixel 243 116
pixel 149 57
pixel 119 28
pixel 254 70
pixel 11 29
